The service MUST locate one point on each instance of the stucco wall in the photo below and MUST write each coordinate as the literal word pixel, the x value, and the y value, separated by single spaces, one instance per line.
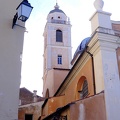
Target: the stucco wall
pixel 52 105
pixel 92 108
pixel 71 91
pixel 109 69
pixel 98 72
pixel 34 108
pixel 59 76
pixel 65 59
pixel 48 83
pixel 51 51
pixel 11 45
pixel 54 78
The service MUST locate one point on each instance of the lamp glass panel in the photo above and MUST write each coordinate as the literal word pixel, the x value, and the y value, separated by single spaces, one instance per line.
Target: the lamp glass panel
pixel 24 12
pixel 19 11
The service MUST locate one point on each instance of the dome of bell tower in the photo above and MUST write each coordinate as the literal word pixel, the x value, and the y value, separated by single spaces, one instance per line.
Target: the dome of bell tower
pixel 56 9
pixel 57 16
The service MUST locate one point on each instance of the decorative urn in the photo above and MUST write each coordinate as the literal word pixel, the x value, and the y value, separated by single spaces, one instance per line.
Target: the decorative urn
pixel 98 4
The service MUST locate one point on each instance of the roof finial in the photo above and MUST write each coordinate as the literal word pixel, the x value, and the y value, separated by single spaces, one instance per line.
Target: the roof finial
pixel 98 4
pixel 56 6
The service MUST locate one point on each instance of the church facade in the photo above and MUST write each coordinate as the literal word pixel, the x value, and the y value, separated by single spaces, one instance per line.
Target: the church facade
pixel 87 86
pixel 90 89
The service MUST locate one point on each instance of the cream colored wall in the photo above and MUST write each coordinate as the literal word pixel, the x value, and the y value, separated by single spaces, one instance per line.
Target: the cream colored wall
pixel 51 34
pixel 59 76
pixel 111 82
pixel 94 48
pixel 99 82
pixel 11 45
pixel 107 40
pixel 106 71
pixel 52 49
pixel 65 59
pixel 98 20
pixel 49 83
pixel 54 80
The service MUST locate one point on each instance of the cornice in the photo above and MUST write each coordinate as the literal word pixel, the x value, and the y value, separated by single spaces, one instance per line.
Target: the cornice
pixel 74 72
pixel 99 40
pixel 100 12
pixel 102 40
pixel 55 24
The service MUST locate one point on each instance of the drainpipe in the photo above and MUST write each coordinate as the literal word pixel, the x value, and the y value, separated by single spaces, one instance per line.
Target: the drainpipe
pixel 93 71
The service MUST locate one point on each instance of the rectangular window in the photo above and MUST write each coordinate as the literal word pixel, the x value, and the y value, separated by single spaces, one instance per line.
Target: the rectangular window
pixel 59 59
pixel 28 116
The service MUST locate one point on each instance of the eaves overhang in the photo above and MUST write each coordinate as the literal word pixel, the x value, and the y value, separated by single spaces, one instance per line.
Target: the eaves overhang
pixel 72 69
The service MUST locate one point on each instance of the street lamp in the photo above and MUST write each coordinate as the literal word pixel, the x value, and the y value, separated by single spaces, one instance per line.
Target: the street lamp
pixel 23 12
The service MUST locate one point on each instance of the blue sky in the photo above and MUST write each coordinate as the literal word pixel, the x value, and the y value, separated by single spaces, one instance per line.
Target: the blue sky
pixel 79 12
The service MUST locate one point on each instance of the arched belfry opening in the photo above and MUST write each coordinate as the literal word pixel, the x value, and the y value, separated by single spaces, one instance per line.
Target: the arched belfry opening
pixel 59 36
pixel 84 91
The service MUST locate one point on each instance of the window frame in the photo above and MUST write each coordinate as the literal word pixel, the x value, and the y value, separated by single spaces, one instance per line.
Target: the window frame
pixel 84 92
pixel 59 36
pixel 59 59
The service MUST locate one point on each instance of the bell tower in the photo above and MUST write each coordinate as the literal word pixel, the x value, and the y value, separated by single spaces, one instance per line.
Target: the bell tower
pixel 57 50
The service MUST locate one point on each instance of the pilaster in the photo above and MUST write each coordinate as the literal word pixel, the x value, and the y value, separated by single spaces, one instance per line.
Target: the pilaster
pixel 103 47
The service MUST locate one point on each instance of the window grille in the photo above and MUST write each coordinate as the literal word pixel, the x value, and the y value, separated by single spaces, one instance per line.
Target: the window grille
pixel 84 91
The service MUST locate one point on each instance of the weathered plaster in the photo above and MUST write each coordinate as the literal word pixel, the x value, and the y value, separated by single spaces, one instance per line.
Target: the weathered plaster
pixel 11 45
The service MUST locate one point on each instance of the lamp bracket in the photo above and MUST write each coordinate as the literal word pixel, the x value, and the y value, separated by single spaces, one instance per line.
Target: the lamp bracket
pixel 14 20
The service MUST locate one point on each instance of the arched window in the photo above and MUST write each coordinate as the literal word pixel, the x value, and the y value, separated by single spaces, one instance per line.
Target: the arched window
pixel 84 91
pixel 58 36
